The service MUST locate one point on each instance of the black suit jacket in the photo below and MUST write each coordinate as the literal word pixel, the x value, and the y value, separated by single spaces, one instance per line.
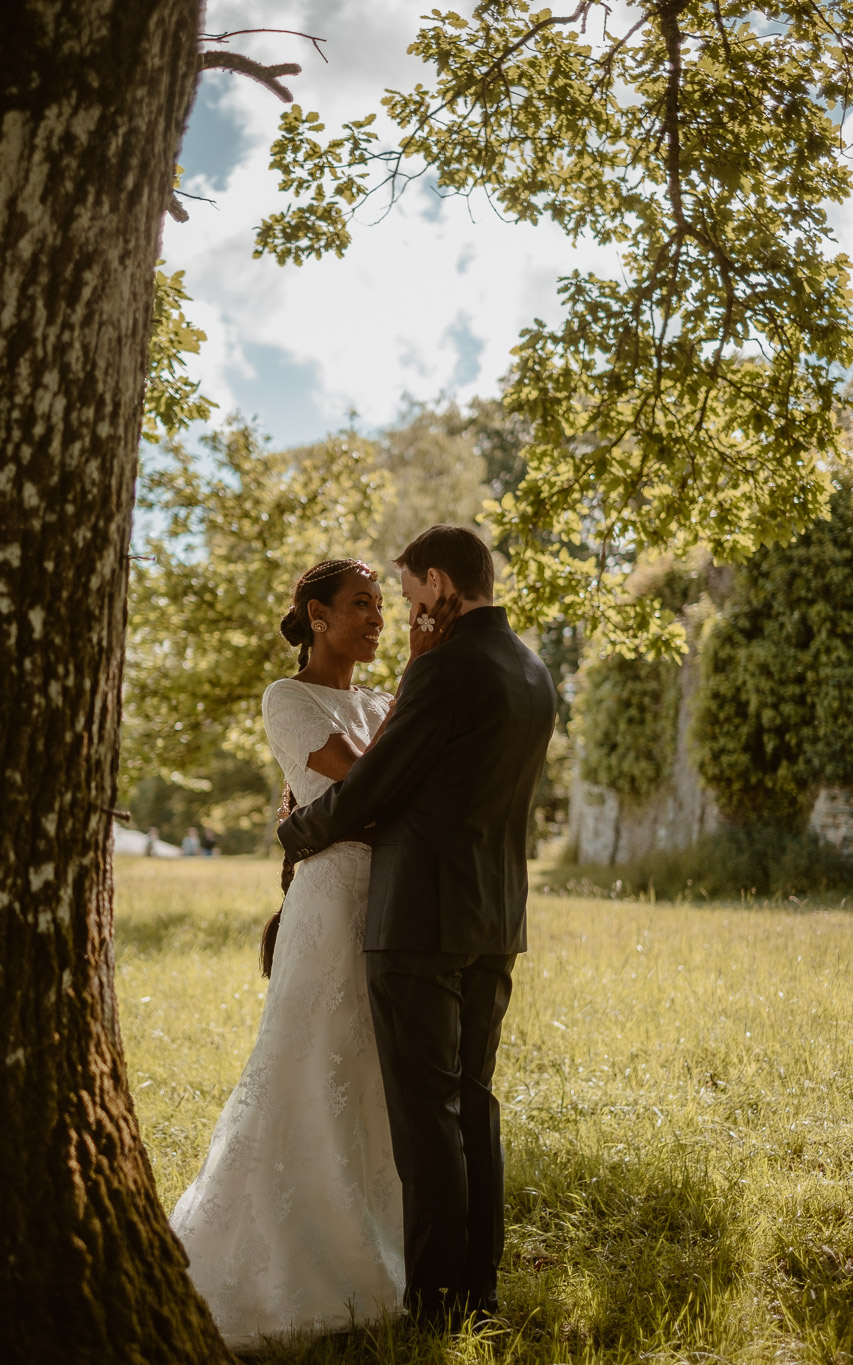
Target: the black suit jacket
pixel 449 785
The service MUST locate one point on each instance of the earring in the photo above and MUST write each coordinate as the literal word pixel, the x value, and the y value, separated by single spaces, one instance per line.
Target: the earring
pixel 319 626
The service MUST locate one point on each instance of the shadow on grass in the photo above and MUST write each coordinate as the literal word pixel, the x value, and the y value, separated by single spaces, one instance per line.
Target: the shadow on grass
pixel 391 1342
pixel 621 1256
pixel 811 1277
pixel 182 930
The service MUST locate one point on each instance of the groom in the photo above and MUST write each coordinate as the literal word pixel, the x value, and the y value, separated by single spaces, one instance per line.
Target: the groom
pixel 450 785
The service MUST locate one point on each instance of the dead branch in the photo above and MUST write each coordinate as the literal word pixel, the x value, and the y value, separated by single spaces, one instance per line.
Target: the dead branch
pixel 202 199
pixel 223 37
pixel 176 210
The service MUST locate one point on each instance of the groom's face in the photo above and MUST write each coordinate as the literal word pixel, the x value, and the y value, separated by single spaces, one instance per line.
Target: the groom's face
pixel 417 593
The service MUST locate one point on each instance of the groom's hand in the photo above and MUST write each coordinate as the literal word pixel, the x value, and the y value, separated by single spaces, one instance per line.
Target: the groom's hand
pixel 432 627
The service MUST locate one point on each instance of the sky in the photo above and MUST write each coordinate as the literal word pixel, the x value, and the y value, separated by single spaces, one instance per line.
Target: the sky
pixel 426 303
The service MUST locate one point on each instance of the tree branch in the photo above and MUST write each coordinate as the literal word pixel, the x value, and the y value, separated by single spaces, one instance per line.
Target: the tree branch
pixel 245 66
pixel 223 37
pixel 721 29
pixel 176 210
pixel 496 65
pixel 668 14
pixel 202 199
pixel 395 159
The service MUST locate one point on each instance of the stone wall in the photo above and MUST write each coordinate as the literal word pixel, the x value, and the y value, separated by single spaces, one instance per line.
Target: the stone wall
pixel 832 817
pixel 606 828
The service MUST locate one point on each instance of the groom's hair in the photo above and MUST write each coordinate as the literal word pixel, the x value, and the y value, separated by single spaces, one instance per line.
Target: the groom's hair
pixel 457 552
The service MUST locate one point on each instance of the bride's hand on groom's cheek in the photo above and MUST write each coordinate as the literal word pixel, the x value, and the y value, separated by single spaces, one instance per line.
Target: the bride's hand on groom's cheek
pixel 432 627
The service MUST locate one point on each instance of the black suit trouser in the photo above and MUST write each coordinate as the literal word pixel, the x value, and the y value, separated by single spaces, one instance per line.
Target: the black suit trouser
pixel 437 1018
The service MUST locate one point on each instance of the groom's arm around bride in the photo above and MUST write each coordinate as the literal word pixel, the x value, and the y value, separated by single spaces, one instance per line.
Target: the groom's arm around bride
pixel 449 786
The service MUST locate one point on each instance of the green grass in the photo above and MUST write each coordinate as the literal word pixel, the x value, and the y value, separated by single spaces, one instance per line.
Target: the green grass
pixel 678 1116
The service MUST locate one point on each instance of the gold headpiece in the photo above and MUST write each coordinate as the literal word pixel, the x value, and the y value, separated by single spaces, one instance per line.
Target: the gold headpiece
pixel 330 567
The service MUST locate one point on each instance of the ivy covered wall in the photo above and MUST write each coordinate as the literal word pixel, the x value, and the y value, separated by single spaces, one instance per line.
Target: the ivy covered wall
pixel 773 719
pixel 750 728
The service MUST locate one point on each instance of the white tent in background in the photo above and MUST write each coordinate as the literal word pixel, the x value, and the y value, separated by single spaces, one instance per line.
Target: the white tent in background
pixel 133 841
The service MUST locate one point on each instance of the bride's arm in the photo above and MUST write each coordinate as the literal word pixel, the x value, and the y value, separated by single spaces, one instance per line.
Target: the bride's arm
pixel 384 775
pixel 335 758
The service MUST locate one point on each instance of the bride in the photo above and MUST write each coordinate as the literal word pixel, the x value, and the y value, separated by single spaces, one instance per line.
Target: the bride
pixel 295 1220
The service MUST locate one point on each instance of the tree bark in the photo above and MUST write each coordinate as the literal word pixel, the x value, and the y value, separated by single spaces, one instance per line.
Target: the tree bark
pixel 93 97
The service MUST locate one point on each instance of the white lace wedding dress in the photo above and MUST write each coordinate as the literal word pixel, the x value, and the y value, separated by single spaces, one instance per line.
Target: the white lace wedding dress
pixel 295 1221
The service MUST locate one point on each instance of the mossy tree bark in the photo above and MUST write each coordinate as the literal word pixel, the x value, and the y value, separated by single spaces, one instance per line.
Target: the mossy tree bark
pixel 93 98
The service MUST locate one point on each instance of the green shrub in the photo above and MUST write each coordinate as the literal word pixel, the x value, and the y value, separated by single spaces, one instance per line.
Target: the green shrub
pixel 761 861
pixel 772 720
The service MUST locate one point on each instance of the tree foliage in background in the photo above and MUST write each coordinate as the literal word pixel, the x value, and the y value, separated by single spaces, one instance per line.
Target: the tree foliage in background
pixel 237 530
pixel 773 720
pixel 172 399
pixel 689 396
pixel 240 528
pixel 234 796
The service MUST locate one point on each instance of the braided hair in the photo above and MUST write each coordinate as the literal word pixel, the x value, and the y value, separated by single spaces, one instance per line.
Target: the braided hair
pixel 318 584
pixel 270 930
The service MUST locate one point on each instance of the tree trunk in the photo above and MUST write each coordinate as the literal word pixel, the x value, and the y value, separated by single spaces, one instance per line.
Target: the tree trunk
pixel 93 98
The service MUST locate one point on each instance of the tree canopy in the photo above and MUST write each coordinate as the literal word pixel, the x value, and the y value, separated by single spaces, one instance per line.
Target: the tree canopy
pixel 689 395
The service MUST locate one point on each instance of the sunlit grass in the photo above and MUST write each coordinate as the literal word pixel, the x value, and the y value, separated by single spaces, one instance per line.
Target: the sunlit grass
pixel 678 1115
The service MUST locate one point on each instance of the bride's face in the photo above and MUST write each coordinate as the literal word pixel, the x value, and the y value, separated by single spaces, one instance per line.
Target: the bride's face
pixel 353 620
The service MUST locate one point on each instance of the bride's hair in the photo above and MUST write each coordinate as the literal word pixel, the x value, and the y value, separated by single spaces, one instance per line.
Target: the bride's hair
pixel 318 584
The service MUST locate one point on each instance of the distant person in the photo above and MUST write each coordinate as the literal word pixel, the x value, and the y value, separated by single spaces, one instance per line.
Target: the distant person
pixel 190 844
pixel 208 841
pixel 150 842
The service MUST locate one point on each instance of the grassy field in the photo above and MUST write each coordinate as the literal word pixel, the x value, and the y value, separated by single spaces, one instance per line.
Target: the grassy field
pixel 678 1116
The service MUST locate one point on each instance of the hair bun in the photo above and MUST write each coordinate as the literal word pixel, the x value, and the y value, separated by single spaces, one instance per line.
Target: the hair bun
pixel 292 628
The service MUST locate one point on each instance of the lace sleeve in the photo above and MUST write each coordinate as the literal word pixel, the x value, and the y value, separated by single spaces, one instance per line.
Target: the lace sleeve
pixel 297 724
